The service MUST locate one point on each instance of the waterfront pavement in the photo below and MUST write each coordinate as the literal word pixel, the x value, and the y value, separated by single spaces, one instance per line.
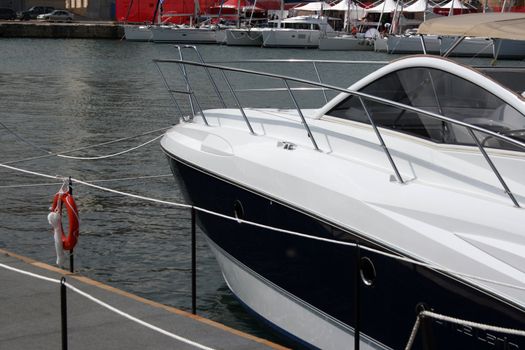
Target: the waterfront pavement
pixel 30 316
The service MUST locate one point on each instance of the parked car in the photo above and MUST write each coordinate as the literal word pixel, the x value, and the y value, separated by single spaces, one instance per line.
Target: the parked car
pixel 6 13
pixel 34 11
pixel 57 15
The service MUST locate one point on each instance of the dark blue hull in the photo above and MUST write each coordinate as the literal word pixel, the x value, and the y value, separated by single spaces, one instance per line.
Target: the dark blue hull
pixel 327 276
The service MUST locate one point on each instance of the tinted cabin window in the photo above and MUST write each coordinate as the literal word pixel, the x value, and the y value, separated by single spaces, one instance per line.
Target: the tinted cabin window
pixel 438 92
pixel 512 78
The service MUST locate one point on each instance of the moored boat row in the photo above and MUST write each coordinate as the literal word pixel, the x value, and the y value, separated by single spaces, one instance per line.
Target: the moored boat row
pixel 300 31
pixel 316 32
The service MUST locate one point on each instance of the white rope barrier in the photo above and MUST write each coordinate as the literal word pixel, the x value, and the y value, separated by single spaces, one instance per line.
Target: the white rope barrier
pixel 293 233
pixel 149 199
pixel 188 206
pixel 44 184
pixel 137 320
pixel 111 308
pixel 458 321
pixel 7 267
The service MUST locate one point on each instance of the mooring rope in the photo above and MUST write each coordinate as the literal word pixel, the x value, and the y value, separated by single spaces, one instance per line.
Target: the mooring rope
pixel 458 321
pixel 188 206
pixel 109 307
pixel 113 154
pixel 25 140
pixel 63 153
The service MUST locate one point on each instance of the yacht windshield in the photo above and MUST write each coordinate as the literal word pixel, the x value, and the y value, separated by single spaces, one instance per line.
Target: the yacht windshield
pixel 438 92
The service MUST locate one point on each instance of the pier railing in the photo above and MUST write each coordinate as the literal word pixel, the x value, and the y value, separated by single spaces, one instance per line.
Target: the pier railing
pixel 364 99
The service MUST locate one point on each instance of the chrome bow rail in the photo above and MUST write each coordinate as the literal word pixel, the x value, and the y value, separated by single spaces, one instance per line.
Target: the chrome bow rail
pixel 363 98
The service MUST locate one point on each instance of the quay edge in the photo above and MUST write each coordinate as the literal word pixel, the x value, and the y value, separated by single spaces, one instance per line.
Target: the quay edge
pixel 75 30
pixel 31 316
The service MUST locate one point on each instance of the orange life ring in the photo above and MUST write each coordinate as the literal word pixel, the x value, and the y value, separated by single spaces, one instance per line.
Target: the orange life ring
pixel 69 241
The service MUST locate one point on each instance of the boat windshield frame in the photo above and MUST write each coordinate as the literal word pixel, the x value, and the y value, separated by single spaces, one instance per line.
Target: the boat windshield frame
pixel 363 98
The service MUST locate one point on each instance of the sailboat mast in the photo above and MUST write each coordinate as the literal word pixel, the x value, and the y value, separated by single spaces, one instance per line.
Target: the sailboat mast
pixel 251 15
pixel 238 13
pixel 156 10
pixel 281 15
pixel 129 10
pixel 381 15
pixel 347 16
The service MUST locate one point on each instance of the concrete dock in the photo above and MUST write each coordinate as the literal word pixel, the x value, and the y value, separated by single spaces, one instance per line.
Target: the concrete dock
pixel 30 316
pixel 58 30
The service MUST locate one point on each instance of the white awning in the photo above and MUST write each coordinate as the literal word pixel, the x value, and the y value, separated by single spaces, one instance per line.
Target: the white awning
pixel 355 10
pixel 455 4
pixel 417 6
pixel 509 25
pixel 386 6
pixel 314 6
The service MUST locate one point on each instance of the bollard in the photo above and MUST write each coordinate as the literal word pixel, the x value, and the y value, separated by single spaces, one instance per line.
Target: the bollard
pixel 71 261
pixel 63 309
pixel 193 262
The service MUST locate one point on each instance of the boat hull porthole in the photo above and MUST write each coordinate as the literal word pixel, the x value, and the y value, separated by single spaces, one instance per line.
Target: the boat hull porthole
pixel 367 271
pixel 238 210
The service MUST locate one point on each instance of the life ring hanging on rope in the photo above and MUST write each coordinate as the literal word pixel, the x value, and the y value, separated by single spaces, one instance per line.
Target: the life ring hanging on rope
pixel 66 199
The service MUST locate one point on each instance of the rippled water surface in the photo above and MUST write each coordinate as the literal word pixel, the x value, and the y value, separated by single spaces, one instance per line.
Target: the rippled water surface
pixel 60 95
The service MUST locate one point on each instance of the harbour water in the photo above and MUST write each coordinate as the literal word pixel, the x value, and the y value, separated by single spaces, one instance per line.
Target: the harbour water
pixel 59 95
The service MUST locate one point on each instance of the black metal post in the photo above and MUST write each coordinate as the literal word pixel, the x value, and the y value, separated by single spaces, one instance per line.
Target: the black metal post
pixel 357 296
pixel 193 262
pixel 63 311
pixel 71 255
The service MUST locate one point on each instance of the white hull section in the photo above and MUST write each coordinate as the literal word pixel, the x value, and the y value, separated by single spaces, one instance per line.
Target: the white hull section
pixel 284 310
pixel 184 35
pixel 412 44
pixel 138 33
pixel 469 47
pixel 346 43
pixel 220 37
pixel 291 38
pixel 244 37
pixel 381 44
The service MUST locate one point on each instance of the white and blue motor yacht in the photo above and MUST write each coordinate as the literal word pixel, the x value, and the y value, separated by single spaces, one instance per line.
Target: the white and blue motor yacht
pixel 403 194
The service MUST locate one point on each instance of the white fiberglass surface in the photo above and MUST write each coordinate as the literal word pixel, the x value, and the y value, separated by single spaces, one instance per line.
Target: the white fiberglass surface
pixel 449 212
pixel 285 311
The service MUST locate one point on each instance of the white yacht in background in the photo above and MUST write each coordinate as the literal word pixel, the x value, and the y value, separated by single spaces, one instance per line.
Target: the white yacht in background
pixel 299 31
pixel 402 194
pixel 346 42
pixel 244 36
pixel 184 34
pixel 138 32
pixel 471 35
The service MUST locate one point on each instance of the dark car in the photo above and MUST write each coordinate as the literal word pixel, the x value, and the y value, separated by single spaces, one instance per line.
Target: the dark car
pixel 6 13
pixel 34 11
